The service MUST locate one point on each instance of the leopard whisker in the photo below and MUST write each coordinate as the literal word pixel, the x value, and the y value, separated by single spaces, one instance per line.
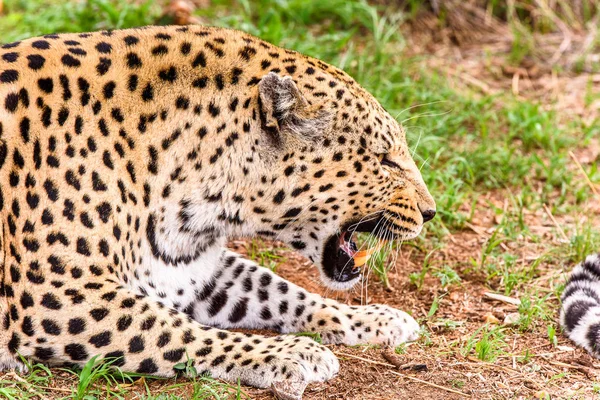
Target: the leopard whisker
pixel 426 115
pixel 417 144
pixel 419 105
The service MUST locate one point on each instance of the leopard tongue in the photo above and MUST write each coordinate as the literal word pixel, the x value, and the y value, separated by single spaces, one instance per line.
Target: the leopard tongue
pixel 361 257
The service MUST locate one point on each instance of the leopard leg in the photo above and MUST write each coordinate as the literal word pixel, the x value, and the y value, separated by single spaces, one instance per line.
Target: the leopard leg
pixel 7 359
pixel 144 336
pixel 242 294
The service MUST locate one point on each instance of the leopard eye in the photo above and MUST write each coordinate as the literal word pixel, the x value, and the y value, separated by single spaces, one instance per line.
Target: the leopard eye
pixel 384 160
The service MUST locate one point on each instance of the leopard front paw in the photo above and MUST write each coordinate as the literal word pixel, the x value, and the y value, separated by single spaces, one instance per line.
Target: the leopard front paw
pixel 372 324
pixel 8 362
pixel 303 361
pixel 286 364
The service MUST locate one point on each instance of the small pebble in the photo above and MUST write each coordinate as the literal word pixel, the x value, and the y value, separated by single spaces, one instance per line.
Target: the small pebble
pixel 512 318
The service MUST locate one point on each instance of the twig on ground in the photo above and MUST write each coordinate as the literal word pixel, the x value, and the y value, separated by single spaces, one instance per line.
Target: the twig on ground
pixel 477 362
pixel 476 229
pixel 55 389
pixel 392 358
pixel 502 298
pixel 581 368
pixel 16 377
pixel 515 84
pixel 476 82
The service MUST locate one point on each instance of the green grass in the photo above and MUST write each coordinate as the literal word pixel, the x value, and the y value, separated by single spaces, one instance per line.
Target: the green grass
pixel 468 145
pixel 31 386
pixel 99 379
pixel 27 18
pixel 265 255
pixel 487 343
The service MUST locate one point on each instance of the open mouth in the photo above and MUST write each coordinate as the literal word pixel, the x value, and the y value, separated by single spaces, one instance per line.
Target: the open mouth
pixel 342 261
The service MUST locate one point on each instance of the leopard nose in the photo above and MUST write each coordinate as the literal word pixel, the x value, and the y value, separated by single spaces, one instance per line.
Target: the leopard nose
pixel 428 215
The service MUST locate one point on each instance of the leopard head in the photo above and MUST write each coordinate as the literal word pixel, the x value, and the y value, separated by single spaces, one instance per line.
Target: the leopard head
pixel 337 163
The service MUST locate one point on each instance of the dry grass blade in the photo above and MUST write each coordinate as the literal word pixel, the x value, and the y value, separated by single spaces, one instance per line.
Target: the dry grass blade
pixel 585 175
pixel 339 353
pixel 555 222
pixel 447 389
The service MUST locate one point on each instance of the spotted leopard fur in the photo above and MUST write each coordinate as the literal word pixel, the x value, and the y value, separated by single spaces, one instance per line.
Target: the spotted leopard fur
pixel 126 160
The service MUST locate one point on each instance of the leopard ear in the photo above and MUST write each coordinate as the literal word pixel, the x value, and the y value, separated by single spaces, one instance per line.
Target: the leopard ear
pixel 283 108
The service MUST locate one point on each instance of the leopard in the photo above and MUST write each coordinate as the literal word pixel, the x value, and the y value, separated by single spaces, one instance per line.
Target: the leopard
pixel 129 157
